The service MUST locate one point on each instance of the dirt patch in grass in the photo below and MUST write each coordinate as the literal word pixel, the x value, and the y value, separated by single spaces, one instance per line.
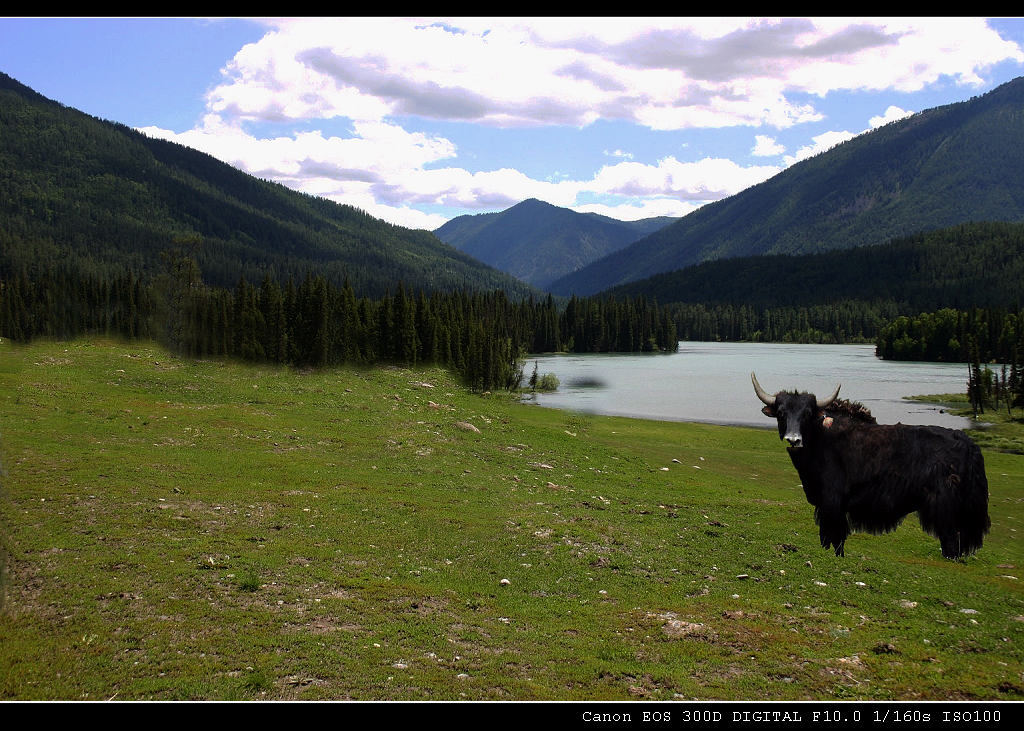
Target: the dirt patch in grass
pixel 323 626
pixel 23 592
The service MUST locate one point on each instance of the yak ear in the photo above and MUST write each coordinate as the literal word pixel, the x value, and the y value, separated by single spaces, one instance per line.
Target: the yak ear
pixel 769 410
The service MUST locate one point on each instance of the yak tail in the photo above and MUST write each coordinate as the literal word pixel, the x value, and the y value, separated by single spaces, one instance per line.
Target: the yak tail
pixel 974 522
pixel 956 511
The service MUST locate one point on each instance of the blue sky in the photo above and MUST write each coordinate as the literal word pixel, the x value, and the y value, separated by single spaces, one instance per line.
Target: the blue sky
pixel 419 120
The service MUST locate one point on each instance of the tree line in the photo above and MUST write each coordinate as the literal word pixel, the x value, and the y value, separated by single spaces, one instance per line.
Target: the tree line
pixel 847 321
pixel 483 336
pixel 954 336
pixel 977 337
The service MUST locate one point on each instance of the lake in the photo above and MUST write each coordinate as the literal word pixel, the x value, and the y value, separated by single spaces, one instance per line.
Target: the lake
pixel 710 382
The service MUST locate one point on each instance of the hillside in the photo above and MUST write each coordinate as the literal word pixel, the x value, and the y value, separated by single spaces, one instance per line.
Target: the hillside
pixel 970 265
pixel 538 242
pixel 939 168
pixel 74 186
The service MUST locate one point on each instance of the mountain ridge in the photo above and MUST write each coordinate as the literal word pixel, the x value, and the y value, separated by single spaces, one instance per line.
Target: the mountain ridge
pixel 937 168
pixel 75 185
pixel 538 242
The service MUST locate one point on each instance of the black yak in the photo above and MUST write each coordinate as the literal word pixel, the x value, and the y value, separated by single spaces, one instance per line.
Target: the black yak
pixel 861 475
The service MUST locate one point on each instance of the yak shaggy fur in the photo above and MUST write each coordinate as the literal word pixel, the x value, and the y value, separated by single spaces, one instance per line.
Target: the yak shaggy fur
pixel 863 476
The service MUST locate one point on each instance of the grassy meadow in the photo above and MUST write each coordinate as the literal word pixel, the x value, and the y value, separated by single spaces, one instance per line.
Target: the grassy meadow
pixel 178 530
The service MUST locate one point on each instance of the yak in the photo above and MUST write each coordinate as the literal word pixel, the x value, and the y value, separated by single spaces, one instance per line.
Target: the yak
pixel 864 476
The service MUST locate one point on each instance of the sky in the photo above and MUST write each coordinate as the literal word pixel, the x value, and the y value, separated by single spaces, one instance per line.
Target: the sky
pixel 420 120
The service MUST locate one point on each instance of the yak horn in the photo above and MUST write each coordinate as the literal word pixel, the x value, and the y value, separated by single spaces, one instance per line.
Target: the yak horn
pixel 828 402
pixel 762 394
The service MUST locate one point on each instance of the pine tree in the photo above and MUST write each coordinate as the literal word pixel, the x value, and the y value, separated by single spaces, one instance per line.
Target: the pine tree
pixel 975 387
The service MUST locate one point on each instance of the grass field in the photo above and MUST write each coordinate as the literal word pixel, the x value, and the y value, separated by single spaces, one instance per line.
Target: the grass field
pixel 208 530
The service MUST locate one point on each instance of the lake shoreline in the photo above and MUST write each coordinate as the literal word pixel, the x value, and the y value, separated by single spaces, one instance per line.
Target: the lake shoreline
pixel 972 425
pixel 709 383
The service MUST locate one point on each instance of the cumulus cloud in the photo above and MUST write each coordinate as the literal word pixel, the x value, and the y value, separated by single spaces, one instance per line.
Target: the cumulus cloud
pixel 822 143
pixel 383 171
pixel 828 140
pixel 645 208
pixel 765 146
pixel 704 180
pixel 662 74
pixel 890 115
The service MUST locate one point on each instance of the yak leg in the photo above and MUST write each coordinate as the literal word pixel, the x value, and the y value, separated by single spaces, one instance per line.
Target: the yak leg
pixel 833 528
pixel 833 524
pixel 951 545
pixel 832 534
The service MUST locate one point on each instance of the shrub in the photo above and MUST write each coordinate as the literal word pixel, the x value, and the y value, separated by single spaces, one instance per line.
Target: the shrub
pixel 547 382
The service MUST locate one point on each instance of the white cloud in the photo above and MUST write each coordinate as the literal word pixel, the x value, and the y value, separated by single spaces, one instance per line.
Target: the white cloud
pixel 646 208
pixel 704 180
pixel 765 146
pixel 828 140
pixel 891 115
pixel 382 169
pixel 823 142
pixel 921 51
pixel 664 74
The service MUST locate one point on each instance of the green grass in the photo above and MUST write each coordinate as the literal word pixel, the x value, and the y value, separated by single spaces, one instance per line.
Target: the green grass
pixel 210 530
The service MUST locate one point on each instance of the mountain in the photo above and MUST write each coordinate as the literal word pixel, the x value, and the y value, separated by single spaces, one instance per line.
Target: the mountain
pixel 938 168
pixel 538 242
pixel 964 266
pixel 74 186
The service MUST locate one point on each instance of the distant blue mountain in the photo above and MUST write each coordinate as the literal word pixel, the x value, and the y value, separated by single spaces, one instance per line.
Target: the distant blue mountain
pixel 538 242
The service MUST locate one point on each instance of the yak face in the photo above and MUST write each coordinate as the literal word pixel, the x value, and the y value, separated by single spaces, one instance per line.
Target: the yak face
pixel 797 413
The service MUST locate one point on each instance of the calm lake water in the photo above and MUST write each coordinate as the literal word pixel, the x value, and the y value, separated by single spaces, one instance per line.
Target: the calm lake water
pixel 710 382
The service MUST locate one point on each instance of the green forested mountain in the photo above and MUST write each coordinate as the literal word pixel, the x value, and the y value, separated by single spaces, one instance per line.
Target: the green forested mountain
pixel 969 265
pixel 849 295
pixel 105 231
pixel 538 242
pixel 944 166
pixel 76 187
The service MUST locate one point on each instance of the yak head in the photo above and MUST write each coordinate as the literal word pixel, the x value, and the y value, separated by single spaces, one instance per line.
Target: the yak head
pixel 795 412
